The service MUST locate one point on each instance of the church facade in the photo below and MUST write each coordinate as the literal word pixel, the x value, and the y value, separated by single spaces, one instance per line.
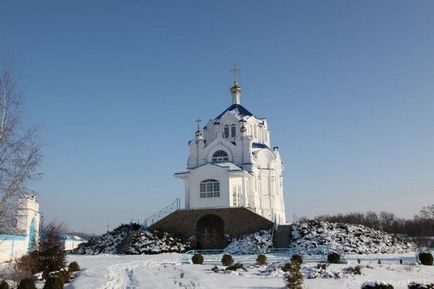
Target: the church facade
pixel 232 164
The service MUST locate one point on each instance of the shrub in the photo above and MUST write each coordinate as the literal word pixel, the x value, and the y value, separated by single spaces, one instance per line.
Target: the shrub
pixel 415 285
pixel 400 261
pixel 227 260
pixel 358 261
pixel 379 261
pixel 53 283
pixel 261 260
pixel 426 258
pixel 322 266
pixel 334 258
pixel 64 276
pixel 293 278
pixel 51 254
pixel 236 266
pixel 27 283
pixel 197 259
pixel 285 267
pixel 297 258
pixel 357 270
pixel 74 267
pixel 4 285
pixel 376 285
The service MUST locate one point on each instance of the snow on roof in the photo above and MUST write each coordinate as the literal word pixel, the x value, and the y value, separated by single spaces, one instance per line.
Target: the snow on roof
pixel 228 165
pixel 237 110
pixel 71 237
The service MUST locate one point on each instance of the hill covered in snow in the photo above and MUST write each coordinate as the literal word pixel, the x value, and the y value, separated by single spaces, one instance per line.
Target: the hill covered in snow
pixel 250 243
pixel 129 240
pixel 155 242
pixel 344 238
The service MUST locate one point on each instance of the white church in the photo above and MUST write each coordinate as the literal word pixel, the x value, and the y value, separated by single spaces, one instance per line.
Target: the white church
pixel 232 164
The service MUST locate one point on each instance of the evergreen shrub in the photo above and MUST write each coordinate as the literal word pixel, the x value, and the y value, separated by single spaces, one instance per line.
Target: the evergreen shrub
pixel 227 260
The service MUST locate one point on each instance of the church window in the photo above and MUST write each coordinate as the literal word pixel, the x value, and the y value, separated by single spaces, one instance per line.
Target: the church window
pixel 233 130
pixel 220 157
pixel 226 131
pixel 236 192
pixel 210 189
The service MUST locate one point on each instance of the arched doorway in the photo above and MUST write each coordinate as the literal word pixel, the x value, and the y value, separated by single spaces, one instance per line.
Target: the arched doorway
pixel 210 232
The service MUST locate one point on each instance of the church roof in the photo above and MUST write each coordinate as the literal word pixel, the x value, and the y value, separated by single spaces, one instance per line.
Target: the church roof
pixel 236 109
pixel 256 145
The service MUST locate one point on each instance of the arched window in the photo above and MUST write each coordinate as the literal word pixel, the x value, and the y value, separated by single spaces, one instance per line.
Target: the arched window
pixel 233 130
pixel 209 189
pixel 226 131
pixel 220 157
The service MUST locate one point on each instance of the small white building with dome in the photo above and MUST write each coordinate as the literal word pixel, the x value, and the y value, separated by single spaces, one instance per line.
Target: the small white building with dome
pixel 232 164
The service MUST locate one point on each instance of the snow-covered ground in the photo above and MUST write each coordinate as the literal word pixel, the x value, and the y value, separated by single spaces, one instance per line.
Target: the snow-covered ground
pixel 165 271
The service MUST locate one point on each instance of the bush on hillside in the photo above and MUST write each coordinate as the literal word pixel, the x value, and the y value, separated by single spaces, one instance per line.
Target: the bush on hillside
pixel 27 283
pixel 297 258
pixel 426 258
pixel 4 285
pixel 227 260
pixel 197 259
pixel 261 260
pixel 334 258
pixel 53 283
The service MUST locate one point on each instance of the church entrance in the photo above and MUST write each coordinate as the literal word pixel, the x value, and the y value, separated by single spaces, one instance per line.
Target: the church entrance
pixel 210 232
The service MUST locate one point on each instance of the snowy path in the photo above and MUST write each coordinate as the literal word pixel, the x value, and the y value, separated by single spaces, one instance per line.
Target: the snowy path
pixel 164 271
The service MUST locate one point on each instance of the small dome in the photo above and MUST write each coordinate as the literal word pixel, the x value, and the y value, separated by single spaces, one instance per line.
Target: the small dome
pixel 235 89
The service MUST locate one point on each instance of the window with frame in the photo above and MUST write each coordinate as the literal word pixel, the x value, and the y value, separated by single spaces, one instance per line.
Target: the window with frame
pixel 209 189
pixel 233 130
pixel 236 196
pixel 226 131
pixel 220 157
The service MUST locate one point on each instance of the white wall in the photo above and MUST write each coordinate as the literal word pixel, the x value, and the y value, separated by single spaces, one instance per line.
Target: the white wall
pixel 15 246
pixel 193 187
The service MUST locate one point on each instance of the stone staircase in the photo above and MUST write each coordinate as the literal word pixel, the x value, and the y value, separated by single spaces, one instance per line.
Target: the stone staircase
pixel 281 236
pixel 125 244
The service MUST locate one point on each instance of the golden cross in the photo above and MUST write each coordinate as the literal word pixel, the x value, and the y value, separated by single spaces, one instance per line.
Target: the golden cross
pixel 235 70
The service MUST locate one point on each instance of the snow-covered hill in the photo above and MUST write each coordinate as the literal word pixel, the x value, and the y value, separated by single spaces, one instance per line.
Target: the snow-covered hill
pixel 345 238
pixel 106 244
pixel 251 243
pixel 145 242
pixel 155 242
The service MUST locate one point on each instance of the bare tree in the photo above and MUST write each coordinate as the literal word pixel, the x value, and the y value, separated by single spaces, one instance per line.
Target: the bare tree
pixel 20 151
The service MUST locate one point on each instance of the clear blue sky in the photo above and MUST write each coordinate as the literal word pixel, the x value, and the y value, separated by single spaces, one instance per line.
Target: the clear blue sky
pixel 347 87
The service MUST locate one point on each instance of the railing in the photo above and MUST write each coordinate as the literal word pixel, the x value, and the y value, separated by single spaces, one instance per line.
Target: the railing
pixel 172 207
pixel 273 255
